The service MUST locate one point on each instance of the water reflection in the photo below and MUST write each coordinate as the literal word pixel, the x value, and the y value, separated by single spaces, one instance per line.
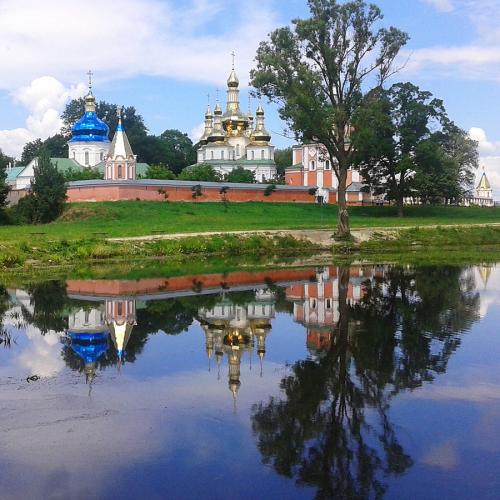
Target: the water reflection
pixel 371 333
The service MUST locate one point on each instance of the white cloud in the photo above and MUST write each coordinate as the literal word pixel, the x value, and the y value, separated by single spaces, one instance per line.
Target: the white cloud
pixel 197 132
pixel 182 40
pixel 489 158
pixel 117 39
pixel 479 59
pixel 44 99
pixel 440 5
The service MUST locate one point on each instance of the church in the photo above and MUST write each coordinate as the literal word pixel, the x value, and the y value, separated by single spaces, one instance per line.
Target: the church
pixel 231 139
pixel 89 147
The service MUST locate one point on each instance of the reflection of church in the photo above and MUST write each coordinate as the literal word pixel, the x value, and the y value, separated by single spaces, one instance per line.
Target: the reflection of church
pixel 316 304
pixel 231 329
pixel 90 329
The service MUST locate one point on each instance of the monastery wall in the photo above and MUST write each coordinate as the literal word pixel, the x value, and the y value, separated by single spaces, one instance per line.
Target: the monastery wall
pixel 88 191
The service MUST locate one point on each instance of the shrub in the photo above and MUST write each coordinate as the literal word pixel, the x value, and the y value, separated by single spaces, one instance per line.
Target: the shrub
pixel 270 189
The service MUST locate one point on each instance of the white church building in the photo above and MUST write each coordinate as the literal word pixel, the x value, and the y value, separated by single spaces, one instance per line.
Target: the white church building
pixel 232 140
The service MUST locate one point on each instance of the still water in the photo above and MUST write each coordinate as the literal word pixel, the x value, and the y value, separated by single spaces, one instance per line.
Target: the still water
pixel 325 382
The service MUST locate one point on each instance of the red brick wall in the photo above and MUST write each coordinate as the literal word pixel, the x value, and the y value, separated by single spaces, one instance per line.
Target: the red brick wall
pixel 152 193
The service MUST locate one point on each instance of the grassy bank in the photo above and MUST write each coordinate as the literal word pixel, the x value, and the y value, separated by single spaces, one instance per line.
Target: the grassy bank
pixel 137 218
pixel 63 252
pixel 420 245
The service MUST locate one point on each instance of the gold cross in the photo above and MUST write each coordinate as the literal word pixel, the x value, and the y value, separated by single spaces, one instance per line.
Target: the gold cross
pixel 90 79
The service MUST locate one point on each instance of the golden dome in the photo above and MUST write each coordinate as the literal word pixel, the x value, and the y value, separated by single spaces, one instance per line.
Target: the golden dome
pixel 233 81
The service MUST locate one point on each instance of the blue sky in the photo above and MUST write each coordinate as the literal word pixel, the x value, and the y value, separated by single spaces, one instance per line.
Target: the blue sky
pixel 163 57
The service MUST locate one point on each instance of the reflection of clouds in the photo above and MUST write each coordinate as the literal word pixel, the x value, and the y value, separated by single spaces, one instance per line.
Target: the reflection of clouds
pixel 477 393
pixel 42 355
pixel 486 435
pixel 53 428
pixel 444 455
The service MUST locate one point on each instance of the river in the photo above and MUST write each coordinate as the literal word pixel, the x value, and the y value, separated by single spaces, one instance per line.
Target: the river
pixel 315 382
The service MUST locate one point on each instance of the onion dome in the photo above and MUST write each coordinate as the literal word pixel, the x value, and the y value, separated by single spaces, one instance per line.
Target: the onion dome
pixel 260 134
pixel 89 128
pixel 233 81
pixel 218 133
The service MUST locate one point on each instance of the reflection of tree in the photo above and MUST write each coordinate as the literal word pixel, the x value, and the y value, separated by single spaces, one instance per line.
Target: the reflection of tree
pixel 48 300
pixel 332 429
pixel 5 338
pixel 172 316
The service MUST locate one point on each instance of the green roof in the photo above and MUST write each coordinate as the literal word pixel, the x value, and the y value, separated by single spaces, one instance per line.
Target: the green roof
pixel 297 166
pixel 13 173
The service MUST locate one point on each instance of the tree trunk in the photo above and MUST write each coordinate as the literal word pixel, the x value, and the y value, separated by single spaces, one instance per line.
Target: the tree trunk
pixel 399 202
pixel 343 228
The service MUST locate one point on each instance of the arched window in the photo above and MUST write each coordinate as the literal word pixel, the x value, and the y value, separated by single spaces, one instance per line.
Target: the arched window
pixel 120 171
pixel 203 154
pixel 262 153
pixel 313 166
pixel 74 155
pixel 86 157
pixel 222 155
pixel 211 155
pixel 237 150
pixel 253 155
pixel 102 156
pixel 327 164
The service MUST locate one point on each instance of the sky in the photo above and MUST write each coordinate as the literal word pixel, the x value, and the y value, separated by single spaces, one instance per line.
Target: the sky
pixel 165 57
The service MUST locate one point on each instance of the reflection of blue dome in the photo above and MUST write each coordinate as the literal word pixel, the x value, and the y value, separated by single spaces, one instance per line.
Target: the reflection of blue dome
pixel 90 128
pixel 89 346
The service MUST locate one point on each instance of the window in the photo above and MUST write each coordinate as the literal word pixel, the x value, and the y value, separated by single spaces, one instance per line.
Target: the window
pixel 313 165
pixel 237 150
pixel 327 164
pixel 86 157
pixel 222 155
pixel 74 155
pixel 203 154
pixel 328 303
pixel 313 304
pixel 102 156
pixel 120 171
pixel 120 304
pixel 253 155
pixel 211 155
pixel 262 153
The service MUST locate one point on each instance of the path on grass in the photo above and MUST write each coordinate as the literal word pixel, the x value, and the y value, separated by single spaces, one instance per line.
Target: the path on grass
pixel 322 238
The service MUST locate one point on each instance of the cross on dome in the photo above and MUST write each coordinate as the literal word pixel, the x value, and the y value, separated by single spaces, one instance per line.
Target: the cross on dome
pixel 90 74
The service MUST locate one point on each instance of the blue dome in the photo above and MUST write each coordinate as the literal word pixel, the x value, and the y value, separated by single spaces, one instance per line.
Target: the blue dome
pixel 90 128
pixel 89 346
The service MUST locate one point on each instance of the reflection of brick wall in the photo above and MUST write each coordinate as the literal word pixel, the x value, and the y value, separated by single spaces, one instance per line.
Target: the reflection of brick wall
pixel 156 192
pixel 319 340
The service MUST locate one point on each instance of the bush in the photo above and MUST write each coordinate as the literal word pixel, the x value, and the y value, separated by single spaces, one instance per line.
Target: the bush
pixel 202 172
pixel 85 174
pixel 239 174
pixel 270 189
pixel 159 172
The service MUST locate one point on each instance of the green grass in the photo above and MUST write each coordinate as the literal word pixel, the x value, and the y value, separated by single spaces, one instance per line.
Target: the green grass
pixel 136 218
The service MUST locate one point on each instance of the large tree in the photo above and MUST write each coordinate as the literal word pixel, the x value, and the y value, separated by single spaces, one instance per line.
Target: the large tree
pixel 48 191
pixel 201 172
pixel 318 70
pixel 240 174
pixel 4 188
pixel 179 149
pixel 283 158
pixel 56 146
pixel 407 147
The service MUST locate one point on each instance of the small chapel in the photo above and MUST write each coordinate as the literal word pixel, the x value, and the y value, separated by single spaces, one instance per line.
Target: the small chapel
pixel 232 139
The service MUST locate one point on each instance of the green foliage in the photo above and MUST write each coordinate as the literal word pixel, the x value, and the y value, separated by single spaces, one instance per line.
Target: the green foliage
pixel 407 146
pixel 200 172
pixel 270 189
pixel 317 70
pixel 240 174
pixel 84 174
pixel 283 158
pixel 4 188
pixel 48 193
pixel 159 172
pixel 180 152
pixel 196 191
pixel 31 150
